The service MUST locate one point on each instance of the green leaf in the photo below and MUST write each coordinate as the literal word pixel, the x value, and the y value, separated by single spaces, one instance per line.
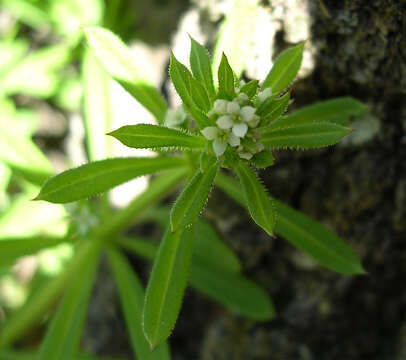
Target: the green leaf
pixel 201 67
pixel 199 95
pixel 64 332
pixel 191 201
pixel 272 108
pixel 306 234
pixel 167 284
pixel 32 311
pixel 210 250
pixel 316 240
pixel 132 301
pixel 284 69
pixel 258 201
pixel 307 136
pixel 97 108
pixel 226 79
pixel 96 177
pixel 219 281
pixel 236 292
pixel 263 159
pixel 28 355
pixel 250 88
pixel 13 248
pixel 337 111
pixel 181 78
pixel 119 62
pixel 152 136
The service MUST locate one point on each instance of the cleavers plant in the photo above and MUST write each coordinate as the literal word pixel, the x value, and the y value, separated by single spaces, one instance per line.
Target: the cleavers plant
pixel 229 126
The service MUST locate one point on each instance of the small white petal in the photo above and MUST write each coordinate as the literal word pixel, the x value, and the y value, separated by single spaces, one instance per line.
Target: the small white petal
pixel 254 121
pixel 233 140
pixel 220 106
pixel 260 146
pixel 245 155
pixel 219 147
pixel 242 83
pixel 263 95
pixel 224 122
pixel 240 129
pixel 247 112
pixel 210 132
pixel 233 108
pixel 242 97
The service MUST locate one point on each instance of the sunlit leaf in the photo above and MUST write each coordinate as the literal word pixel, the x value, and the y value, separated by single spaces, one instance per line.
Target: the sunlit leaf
pixel 201 67
pixel 64 332
pixel 257 199
pixel 152 136
pixel 284 69
pixel 120 63
pixel 337 111
pixel 226 79
pixel 132 302
pixel 307 136
pixel 166 285
pixel 99 176
pixel 191 201
pixel 199 95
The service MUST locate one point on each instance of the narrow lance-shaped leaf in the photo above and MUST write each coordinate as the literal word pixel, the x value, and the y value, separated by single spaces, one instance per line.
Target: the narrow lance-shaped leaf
pixel 284 69
pixel 199 95
pixel 96 177
pixel 132 300
pixel 167 285
pixel 250 88
pixel 303 232
pixel 337 111
pixel 181 78
pixel 119 62
pixel 307 136
pixel 223 284
pixel 201 67
pixel 226 79
pixel 272 108
pixel 151 136
pixel 258 201
pixel 191 201
pixel 64 332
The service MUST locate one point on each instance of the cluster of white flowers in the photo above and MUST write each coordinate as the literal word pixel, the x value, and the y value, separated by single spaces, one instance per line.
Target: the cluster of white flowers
pixel 234 119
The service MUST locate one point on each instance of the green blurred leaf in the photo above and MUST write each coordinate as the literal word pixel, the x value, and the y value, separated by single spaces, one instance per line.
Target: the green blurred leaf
pixel 337 111
pixel 257 199
pixel 119 62
pixel 201 67
pixel 132 301
pixel 199 95
pixel 250 88
pixel 284 69
pixel 11 52
pixel 62 338
pixel 307 136
pixel 152 136
pixel 263 159
pixel 28 13
pixel 27 355
pixel 166 285
pixel 99 176
pixel 13 248
pixel 272 108
pixel 306 234
pixel 226 79
pixel 191 201
pixel 236 292
pixel 21 321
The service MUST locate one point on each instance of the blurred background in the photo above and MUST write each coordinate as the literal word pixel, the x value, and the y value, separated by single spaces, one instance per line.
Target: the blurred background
pixel 358 189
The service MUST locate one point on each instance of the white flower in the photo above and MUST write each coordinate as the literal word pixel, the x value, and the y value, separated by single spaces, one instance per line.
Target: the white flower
pixel 219 147
pixel 247 113
pixel 241 98
pixel 265 94
pixel 233 140
pixel 254 121
pixel 233 108
pixel 240 129
pixel 260 146
pixel 220 106
pixel 224 122
pixel 210 132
